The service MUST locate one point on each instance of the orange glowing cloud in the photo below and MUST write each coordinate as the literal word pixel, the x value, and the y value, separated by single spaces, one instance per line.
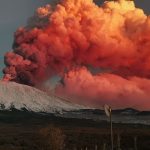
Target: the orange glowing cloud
pixel 97 90
pixel 78 33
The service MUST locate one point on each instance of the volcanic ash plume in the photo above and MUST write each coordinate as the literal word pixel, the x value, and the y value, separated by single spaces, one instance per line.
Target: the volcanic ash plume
pixel 77 35
pixel 97 90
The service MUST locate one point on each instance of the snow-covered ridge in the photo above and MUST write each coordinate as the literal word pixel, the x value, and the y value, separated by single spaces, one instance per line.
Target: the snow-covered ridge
pixel 22 96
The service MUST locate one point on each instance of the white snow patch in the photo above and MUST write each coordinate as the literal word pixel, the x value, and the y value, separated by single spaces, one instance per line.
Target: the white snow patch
pixel 23 96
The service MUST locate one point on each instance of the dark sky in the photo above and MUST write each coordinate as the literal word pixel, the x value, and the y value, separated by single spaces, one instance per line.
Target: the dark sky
pixel 14 13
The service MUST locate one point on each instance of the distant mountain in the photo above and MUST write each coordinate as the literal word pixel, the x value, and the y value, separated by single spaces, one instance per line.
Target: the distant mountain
pixel 26 98
pixel 126 111
pixel 127 115
pixel 144 113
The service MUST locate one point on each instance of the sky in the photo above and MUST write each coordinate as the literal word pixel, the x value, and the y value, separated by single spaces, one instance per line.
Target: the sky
pixel 14 14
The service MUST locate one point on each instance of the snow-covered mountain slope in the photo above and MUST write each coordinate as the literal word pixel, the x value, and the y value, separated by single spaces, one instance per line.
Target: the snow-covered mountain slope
pixel 21 96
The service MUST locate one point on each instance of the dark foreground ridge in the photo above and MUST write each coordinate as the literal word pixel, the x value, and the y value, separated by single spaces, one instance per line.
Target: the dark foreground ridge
pixel 22 130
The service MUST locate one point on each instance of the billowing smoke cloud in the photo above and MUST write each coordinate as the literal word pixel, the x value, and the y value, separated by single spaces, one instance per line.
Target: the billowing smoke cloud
pixel 103 88
pixel 77 34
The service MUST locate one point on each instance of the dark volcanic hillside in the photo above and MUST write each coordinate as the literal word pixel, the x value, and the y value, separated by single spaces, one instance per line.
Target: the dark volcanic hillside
pixel 22 130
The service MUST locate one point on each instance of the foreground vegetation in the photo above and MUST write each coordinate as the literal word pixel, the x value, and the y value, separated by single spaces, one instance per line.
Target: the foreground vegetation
pixel 29 131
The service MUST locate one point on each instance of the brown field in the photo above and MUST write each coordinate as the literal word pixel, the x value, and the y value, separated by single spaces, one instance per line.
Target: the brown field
pixel 29 131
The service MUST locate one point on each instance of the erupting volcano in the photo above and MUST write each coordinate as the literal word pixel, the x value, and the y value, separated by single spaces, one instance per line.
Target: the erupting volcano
pixel 102 53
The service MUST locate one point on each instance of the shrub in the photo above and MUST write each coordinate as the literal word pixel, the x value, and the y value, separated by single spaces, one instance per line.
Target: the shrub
pixel 52 138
